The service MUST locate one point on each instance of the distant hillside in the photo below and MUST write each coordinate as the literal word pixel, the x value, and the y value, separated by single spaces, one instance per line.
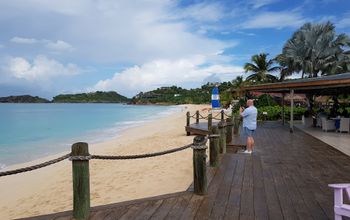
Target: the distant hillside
pixel 23 99
pixel 178 95
pixel 93 97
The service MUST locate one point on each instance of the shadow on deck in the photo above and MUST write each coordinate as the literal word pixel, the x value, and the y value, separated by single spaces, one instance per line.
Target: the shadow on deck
pixel 285 178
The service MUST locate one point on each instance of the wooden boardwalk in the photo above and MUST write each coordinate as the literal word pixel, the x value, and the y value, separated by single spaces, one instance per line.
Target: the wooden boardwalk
pixel 199 129
pixel 285 178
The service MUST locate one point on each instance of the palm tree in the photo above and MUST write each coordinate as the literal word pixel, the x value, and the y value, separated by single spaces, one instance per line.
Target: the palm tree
pixel 315 49
pixel 287 66
pixel 237 87
pixel 261 69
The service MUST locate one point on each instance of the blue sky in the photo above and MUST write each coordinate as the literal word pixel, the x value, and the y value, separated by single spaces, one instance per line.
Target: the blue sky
pixel 50 47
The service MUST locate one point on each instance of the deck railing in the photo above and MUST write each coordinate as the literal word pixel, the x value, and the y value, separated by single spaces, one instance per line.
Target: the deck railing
pixel 80 158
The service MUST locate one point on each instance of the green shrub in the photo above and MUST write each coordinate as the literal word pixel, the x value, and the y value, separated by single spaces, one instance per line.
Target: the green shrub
pixel 275 113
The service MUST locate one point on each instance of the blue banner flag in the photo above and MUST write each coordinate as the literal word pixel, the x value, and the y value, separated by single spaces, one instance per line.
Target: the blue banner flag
pixel 215 99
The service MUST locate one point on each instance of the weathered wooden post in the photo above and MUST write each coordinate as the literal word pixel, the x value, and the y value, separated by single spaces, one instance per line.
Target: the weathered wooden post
pixel 210 122
pixel 222 138
pixel 236 120
pixel 81 180
pixel 197 117
pixel 214 150
pixel 229 126
pixel 188 118
pixel 199 165
pixel 222 115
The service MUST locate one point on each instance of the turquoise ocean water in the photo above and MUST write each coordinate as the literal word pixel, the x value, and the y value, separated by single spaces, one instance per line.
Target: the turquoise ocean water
pixel 32 131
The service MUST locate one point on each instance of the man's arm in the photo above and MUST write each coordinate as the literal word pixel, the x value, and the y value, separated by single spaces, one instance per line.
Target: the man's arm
pixel 242 112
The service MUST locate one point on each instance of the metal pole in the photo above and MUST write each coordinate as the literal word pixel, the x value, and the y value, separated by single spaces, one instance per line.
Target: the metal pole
pixel 291 110
pixel 283 111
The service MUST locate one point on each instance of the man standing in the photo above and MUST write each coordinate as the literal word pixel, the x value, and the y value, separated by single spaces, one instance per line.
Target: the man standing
pixel 249 123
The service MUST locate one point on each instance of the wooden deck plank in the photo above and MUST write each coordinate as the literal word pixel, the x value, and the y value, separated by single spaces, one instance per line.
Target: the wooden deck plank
pixel 222 196
pixel 164 209
pixel 207 204
pixel 149 210
pixel 180 205
pixel 286 177
pixel 247 199
pixel 234 200
pixel 260 207
pixel 192 208
pixel 133 211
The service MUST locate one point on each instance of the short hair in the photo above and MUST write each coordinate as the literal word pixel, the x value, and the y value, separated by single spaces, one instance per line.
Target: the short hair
pixel 250 101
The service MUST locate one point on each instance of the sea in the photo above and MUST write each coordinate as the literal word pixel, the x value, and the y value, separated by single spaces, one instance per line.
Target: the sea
pixel 32 131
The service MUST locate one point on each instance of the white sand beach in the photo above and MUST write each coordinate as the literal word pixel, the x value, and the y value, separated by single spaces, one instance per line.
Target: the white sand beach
pixel 49 189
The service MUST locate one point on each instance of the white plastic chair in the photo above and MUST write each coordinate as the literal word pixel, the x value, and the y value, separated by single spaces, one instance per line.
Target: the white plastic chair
pixel 328 125
pixel 344 125
pixel 340 209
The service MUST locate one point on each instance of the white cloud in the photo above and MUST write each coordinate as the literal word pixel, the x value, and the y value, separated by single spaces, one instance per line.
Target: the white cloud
pixel 23 40
pixel 261 3
pixel 59 45
pixel 204 12
pixel 41 69
pixel 275 20
pixel 119 31
pixel 166 72
pixel 1 46
pixel 344 22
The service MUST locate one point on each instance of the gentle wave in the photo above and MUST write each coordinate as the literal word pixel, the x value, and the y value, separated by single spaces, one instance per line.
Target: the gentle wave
pixel 35 133
pixel 99 136
pixel 2 166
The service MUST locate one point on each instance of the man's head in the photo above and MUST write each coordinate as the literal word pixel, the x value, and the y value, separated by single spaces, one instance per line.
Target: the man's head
pixel 250 102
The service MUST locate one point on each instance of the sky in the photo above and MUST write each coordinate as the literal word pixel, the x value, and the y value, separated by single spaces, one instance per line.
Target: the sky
pixel 52 47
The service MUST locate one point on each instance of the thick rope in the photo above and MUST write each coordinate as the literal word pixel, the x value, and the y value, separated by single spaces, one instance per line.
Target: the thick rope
pixel 217 115
pixel 227 115
pixel 100 157
pixel 203 117
pixel 216 118
pixel 128 157
pixel 30 168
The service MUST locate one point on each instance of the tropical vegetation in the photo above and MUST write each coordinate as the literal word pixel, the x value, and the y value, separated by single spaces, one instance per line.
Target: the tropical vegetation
pixel 93 97
pixel 23 99
pixel 315 50
pixel 261 69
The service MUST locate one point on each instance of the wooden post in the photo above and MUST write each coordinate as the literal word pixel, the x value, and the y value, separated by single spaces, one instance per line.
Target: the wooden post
pixel 188 118
pixel 229 126
pixel 236 120
pixel 210 122
pixel 222 115
pixel 222 138
pixel 283 116
pixel 81 181
pixel 197 117
pixel 199 165
pixel 214 150
pixel 291 110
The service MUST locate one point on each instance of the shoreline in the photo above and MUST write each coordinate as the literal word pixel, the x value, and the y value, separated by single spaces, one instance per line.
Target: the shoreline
pixel 35 193
pixel 98 139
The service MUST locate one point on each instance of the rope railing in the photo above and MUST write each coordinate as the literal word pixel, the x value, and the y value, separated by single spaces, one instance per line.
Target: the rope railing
pixel 219 116
pixel 80 164
pixel 99 157
pixel 139 156
pixel 34 167
pixel 227 115
pixel 193 116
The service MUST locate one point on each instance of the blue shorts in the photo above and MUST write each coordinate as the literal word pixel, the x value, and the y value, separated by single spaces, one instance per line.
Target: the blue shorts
pixel 248 132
